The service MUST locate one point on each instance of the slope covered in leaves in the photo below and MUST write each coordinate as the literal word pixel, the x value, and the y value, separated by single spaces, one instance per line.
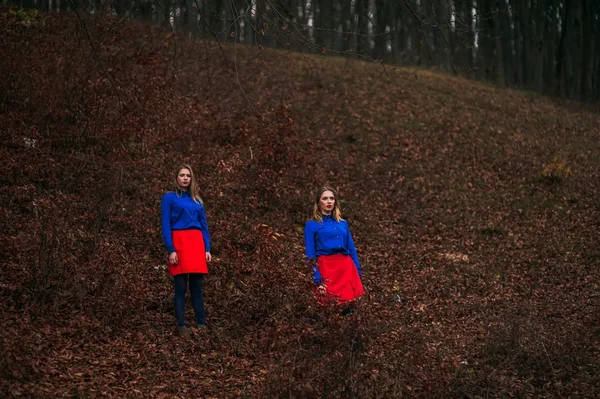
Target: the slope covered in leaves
pixel 474 210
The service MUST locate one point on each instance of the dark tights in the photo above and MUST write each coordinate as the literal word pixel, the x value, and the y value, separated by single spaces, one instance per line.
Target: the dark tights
pixel 181 281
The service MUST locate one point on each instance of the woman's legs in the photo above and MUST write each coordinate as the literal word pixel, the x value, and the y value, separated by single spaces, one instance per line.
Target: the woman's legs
pixel 179 298
pixel 197 297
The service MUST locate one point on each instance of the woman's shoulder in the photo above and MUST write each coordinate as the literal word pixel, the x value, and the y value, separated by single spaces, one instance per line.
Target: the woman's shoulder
pixel 169 195
pixel 311 223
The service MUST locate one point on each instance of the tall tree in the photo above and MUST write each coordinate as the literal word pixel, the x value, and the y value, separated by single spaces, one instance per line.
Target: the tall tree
pixel 440 20
pixel 551 44
pixel 362 39
pixel 576 50
pixel 260 19
pixel 524 17
pixel 596 62
pixel 540 24
pixel 396 32
pixel 381 22
pixel 586 48
pixel 347 24
pixel 485 51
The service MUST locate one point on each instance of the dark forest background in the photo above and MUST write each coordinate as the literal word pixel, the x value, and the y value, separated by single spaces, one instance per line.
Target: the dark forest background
pixel 550 46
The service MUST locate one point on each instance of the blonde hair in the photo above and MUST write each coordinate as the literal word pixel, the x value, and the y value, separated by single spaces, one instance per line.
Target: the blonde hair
pixel 193 189
pixel 336 212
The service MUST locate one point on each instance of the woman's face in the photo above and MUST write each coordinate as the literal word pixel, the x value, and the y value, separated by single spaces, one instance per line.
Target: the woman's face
pixel 184 178
pixel 326 202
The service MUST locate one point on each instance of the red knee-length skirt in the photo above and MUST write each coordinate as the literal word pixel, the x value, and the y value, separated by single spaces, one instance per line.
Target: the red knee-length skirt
pixel 189 245
pixel 341 278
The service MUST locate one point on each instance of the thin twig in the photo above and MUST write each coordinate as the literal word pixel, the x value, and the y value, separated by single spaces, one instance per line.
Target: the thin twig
pixel 96 56
pixel 237 74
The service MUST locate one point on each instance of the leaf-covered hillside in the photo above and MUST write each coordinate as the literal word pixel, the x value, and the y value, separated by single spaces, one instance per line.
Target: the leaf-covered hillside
pixel 475 211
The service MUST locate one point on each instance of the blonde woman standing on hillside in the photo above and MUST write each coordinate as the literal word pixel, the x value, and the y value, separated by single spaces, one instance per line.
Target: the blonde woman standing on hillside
pixel 330 251
pixel 187 240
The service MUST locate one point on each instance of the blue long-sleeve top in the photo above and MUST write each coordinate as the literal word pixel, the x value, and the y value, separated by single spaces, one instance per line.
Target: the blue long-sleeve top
pixel 181 212
pixel 329 237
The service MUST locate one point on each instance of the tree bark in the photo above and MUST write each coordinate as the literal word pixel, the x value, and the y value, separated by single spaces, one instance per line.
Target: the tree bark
pixel 551 45
pixel 525 20
pixel 347 23
pixel 396 29
pixel 596 69
pixel 506 36
pixel 575 51
pixel 379 29
pixel 485 48
pixel 498 53
pixel 540 24
pixel 561 55
pixel 362 40
pixel 260 19
pixel 441 16
pixel 586 48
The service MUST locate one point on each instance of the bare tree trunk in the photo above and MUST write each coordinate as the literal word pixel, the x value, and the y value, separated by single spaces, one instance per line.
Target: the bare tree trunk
pixel 459 35
pixel 518 51
pixel 540 24
pixel 417 33
pixel 325 20
pixel 485 50
pixel 506 37
pixel 260 20
pixel 441 19
pixel 216 17
pixel 596 63
pixel 527 48
pixel 330 19
pixel 396 32
pixel 586 48
pixel 408 46
pixel 347 24
pixel 576 51
pixel 381 20
pixel 498 53
pixel 319 21
pixel 562 51
pixel 362 40
pixel 249 22
pixel 551 45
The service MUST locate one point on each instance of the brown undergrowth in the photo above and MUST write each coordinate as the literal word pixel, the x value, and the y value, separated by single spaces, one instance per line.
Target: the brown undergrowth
pixel 479 250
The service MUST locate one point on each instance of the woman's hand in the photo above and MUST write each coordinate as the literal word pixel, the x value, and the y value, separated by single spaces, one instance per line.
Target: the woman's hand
pixel 173 258
pixel 322 289
pixel 208 257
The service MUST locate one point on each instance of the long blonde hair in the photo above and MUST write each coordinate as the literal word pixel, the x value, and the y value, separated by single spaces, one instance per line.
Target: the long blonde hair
pixel 336 212
pixel 193 189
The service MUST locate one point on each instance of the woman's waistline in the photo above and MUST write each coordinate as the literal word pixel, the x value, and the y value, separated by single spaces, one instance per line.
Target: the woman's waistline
pixel 333 256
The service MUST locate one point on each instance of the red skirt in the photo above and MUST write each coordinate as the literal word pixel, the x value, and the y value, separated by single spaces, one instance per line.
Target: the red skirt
pixel 189 245
pixel 341 278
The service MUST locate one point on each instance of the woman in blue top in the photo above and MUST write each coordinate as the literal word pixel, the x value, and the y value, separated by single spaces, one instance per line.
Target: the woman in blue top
pixel 330 250
pixel 186 237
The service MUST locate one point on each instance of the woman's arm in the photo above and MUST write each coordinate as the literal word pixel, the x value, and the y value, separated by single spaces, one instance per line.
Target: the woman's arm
pixel 352 252
pixel 311 254
pixel 204 229
pixel 165 219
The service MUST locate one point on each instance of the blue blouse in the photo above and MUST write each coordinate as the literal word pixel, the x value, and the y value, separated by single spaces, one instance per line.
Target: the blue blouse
pixel 181 212
pixel 328 238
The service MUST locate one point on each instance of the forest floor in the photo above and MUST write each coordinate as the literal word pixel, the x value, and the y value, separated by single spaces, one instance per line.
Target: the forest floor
pixel 475 211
